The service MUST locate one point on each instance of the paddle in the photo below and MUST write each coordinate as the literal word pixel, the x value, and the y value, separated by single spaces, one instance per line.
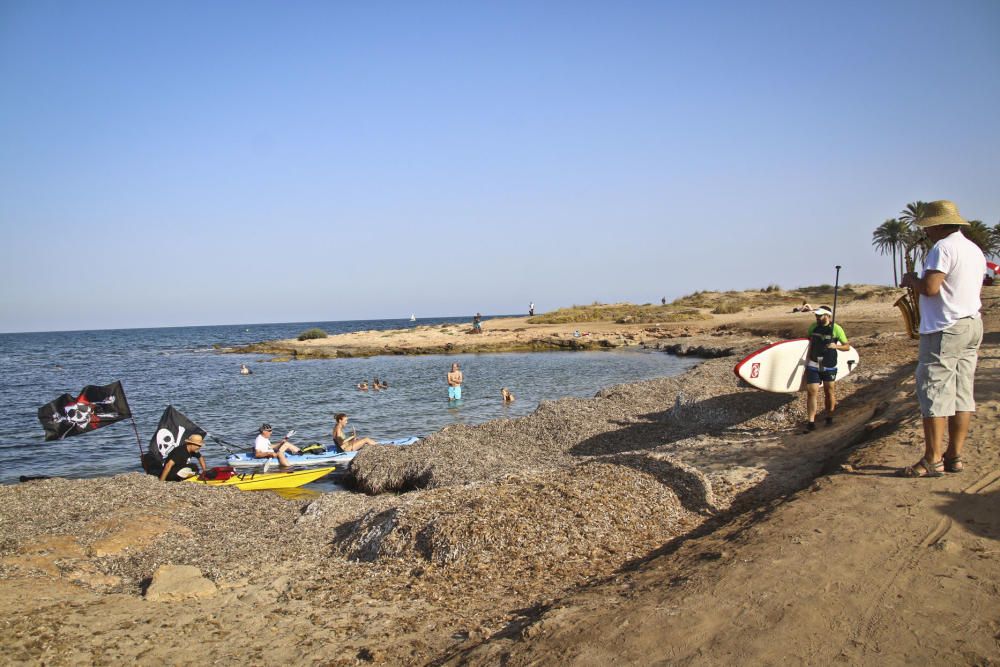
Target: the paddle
pixel 836 286
pixel 833 315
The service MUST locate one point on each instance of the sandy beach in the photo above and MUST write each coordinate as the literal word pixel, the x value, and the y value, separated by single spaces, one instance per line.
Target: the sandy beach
pixel 683 519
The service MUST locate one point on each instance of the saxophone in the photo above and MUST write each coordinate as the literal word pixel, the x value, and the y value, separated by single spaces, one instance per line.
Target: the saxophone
pixel 909 303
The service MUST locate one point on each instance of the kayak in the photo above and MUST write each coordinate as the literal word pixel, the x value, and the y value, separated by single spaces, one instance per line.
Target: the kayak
pixel 259 481
pixel 248 460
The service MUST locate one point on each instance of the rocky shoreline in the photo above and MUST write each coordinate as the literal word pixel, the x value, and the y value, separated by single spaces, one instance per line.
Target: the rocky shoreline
pixel 472 539
pixel 499 335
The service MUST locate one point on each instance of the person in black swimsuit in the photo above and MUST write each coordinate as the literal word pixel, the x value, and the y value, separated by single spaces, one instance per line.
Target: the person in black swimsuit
pixel 348 443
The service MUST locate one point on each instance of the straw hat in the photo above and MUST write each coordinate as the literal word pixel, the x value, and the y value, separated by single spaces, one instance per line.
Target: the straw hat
pixel 942 212
pixel 195 439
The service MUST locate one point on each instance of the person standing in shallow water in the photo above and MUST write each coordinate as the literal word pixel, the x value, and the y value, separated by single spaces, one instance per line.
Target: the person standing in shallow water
pixel 951 331
pixel 825 338
pixel 455 380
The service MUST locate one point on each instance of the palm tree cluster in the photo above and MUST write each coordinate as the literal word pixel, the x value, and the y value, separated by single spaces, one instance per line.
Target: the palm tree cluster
pixel 902 235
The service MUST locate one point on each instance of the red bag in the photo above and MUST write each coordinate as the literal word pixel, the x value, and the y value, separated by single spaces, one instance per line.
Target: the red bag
pixel 218 473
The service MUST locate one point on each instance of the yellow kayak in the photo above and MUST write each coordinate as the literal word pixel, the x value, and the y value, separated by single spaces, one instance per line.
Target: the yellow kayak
pixel 251 481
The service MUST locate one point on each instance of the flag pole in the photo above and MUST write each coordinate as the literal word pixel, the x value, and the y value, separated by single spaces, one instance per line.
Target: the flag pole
pixel 138 442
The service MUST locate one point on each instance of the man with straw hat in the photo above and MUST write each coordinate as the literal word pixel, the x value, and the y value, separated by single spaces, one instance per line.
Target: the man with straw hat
pixel 177 465
pixel 951 331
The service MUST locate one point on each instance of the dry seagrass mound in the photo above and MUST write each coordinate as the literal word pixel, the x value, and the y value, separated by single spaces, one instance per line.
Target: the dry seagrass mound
pixel 635 417
pixel 218 530
pixel 535 519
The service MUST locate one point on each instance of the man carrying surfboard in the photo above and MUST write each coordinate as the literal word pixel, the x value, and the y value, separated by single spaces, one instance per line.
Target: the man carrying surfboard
pixel 825 339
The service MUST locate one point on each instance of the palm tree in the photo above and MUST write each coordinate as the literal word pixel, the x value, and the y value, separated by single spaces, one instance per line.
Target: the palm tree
pixel 914 213
pixel 982 236
pixel 995 236
pixel 915 244
pixel 888 238
pixel 916 241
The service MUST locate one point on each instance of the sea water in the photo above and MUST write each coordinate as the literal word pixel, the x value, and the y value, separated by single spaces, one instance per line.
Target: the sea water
pixel 182 366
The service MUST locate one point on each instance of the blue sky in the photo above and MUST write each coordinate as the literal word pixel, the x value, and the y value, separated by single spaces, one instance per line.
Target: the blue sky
pixel 207 163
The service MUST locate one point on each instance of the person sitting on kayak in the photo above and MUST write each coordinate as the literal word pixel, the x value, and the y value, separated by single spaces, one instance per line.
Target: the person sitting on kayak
pixel 263 449
pixel 348 443
pixel 177 460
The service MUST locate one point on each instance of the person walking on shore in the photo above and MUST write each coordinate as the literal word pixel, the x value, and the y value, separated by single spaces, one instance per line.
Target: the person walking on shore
pixel 951 331
pixel 531 309
pixel 455 380
pixel 825 338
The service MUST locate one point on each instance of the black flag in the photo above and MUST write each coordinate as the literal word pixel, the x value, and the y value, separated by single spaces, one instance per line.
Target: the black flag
pixel 93 408
pixel 173 429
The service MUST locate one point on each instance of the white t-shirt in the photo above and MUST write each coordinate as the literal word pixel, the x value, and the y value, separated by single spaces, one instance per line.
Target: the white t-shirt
pixel 262 445
pixel 963 264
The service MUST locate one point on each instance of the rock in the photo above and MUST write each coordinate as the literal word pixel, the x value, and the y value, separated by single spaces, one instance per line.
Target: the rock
pixel 179 582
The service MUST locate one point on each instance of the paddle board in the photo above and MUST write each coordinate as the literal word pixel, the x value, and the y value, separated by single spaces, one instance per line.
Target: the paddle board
pixel 780 367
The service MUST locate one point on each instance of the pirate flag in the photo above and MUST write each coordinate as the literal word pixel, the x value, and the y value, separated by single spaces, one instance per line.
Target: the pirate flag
pixel 93 408
pixel 174 428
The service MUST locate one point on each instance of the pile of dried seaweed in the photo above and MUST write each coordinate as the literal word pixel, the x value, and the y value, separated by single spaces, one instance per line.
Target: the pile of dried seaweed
pixel 645 416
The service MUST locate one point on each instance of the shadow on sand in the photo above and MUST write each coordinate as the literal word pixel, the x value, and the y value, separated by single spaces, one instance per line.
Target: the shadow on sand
pixel 708 417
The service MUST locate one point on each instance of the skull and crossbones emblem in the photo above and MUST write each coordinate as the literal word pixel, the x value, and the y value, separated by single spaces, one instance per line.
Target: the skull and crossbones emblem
pixel 80 414
pixel 166 441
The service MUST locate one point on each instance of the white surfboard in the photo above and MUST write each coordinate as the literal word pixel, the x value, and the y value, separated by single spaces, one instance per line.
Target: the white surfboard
pixel 780 367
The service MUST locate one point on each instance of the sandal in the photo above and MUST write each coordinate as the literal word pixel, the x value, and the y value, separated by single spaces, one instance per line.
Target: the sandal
pixel 930 469
pixel 954 464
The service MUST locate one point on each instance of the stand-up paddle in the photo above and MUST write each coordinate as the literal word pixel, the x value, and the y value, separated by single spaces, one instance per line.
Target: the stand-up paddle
pixel 836 286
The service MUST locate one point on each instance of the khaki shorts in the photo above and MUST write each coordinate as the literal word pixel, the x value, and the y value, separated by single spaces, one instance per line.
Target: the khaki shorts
pixel 947 368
